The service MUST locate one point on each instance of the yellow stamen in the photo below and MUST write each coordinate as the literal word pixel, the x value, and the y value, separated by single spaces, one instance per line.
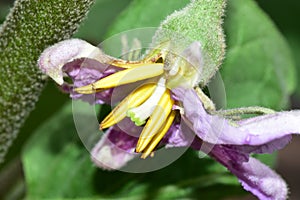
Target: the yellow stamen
pixel 158 137
pixel 123 77
pixel 134 99
pixel 155 122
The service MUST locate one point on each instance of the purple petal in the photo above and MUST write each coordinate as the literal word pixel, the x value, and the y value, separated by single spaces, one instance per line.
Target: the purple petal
pixel 85 71
pixel 55 57
pixel 179 135
pixel 82 62
pixel 114 150
pixel 269 147
pixel 211 129
pixel 254 175
pixel 264 133
pixel 271 127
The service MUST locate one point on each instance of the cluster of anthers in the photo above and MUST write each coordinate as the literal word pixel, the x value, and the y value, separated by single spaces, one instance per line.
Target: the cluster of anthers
pixel 151 104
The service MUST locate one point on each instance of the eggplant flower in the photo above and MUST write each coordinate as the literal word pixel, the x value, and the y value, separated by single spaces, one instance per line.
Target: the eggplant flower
pixel 168 92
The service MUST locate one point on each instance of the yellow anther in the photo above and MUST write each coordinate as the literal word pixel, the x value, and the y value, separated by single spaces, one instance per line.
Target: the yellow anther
pixel 158 137
pixel 123 77
pixel 155 122
pixel 136 98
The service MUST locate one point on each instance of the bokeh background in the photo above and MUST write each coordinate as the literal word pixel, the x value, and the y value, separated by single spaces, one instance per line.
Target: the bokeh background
pixel 284 14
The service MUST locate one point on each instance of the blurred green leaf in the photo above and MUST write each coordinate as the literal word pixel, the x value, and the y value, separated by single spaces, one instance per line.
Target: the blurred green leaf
pixel 101 15
pixel 143 13
pixel 285 16
pixel 294 41
pixel 258 69
pixel 55 164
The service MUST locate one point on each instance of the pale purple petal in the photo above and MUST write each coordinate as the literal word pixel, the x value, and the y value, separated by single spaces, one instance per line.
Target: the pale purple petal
pixel 179 135
pixel 261 180
pixel 269 147
pixel 254 175
pixel 55 57
pixel 83 72
pixel 82 62
pixel 210 128
pixel 265 133
pixel 114 150
pixel 272 126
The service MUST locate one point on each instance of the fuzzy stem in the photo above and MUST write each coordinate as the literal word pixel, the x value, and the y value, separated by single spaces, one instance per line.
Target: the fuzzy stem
pixel 30 27
pixel 244 111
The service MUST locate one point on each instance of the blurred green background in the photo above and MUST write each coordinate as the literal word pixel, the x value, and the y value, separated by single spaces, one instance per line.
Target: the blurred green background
pixel 284 14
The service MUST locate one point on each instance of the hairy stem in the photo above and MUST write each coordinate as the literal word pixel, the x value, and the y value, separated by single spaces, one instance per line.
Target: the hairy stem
pixel 30 27
pixel 237 112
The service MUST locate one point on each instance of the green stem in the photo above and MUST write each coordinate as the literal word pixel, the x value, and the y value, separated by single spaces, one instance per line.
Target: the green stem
pixel 30 27
pixel 244 111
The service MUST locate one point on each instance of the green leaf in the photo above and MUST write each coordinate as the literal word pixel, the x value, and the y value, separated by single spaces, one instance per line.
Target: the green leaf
pixel 294 41
pixel 284 16
pixel 99 18
pixel 150 14
pixel 258 69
